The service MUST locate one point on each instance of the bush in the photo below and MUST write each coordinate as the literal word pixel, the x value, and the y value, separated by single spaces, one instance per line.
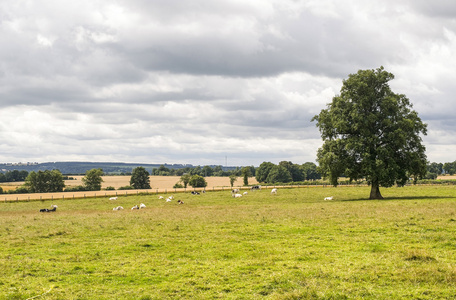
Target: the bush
pixel 127 187
pixel 110 188
pixel 1 190
pixel 197 181
pixel 178 185
pixel 77 188
pixel 19 190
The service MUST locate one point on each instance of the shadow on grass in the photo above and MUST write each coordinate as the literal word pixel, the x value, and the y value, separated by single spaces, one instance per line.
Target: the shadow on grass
pixel 391 198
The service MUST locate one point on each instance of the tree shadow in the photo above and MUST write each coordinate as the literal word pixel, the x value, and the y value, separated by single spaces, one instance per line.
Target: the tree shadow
pixel 391 198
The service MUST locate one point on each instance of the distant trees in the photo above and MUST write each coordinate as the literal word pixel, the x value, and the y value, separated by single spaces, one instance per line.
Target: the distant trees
pixel 44 182
pixel 286 171
pixel 140 178
pixel 92 180
pixel 13 176
pixel 246 173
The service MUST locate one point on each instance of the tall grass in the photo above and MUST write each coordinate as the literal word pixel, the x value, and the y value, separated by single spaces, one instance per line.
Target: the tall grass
pixel 290 246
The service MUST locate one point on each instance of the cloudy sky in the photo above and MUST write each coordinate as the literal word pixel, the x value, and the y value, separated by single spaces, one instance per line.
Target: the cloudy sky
pixel 210 82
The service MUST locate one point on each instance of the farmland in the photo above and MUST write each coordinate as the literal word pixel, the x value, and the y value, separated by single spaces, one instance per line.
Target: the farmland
pixel 158 184
pixel 290 246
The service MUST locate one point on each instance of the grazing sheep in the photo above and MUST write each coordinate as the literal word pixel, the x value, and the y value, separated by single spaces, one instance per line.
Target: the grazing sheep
pixel 235 191
pixel 142 205
pixel 161 197
pixel 171 197
pixel 118 208
pixel 274 191
pixel 195 193
pixel 135 207
pixel 180 202
pixel 113 198
pixel 329 198
pixel 168 200
pixel 256 187
pixel 245 193
pixel 237 195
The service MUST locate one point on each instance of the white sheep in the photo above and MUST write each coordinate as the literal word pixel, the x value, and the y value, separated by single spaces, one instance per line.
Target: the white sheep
pixel 168 200
pixel 329 198
pixel 245 193
pixel 113 198
pixel 135 207
pixel 118 208
pixel 237 195
pixel 274 191
pixel 142 205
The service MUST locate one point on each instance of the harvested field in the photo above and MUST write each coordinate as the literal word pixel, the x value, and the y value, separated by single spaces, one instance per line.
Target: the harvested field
pixel 159 184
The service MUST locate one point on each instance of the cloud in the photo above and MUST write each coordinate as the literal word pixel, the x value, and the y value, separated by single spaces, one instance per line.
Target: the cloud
pixel 193 82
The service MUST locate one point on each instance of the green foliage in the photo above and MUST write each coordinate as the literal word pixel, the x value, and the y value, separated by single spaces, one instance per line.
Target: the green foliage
pixel 92 180
pixel 370 132
pixel 178 185
pixel 110 188
pixel 1 190
pixel 44 181
pixel 76 188
pixel 127 187
pixel 450 167
pixel 140 178
pixel 197 181
pixel 233 178
pixel 185 179
pixel 13 176
pixel 246 173
pixel 262 171
pixel 279 174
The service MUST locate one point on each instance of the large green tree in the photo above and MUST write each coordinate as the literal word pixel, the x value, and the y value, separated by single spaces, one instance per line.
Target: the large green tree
pixel 370 132
pixel 45 181
pixel 92 179
pixel 140 178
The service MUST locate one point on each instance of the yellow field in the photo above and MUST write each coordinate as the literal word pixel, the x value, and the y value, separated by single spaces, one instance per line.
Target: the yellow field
pixel 159 184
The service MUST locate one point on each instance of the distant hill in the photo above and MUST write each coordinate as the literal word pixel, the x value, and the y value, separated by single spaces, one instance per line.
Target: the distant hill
pixel 75 168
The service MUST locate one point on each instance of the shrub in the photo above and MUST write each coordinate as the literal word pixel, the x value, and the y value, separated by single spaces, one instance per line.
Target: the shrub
pixel 178 185
pixel 110 188
pixel 127 187
pixel 77 188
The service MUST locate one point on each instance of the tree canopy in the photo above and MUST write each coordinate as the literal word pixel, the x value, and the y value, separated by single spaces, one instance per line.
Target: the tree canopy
pixel 45 181
pixel 92 180
pixel 140 178
pixel 370 132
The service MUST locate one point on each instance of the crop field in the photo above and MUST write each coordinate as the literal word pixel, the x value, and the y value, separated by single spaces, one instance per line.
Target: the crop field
pixel 293 245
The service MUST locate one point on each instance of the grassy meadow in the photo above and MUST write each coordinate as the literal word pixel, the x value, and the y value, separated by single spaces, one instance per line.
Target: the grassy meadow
pixel 293 245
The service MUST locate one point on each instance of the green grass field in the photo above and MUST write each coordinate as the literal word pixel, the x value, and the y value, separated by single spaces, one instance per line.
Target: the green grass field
pixel 290 246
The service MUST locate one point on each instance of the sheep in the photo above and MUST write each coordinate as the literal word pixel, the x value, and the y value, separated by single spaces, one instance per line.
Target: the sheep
pixel 171 197
pixel 142 205
pixel 161 197
pixel 256 187
pixel 113 198
pixel 135 207
pixel 274 191
pixel 237 195
pixel 180 202
pixel 195 193
pixel 118 208
pixel 168 200
pixel 235 191
pixel 329 198
pixel 245 193
pixel 54 208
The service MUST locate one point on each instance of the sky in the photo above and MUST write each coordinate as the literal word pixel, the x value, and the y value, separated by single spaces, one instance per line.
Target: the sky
pixel 205 82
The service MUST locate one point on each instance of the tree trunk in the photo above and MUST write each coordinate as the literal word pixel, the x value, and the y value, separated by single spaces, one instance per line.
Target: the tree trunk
pixel 375 191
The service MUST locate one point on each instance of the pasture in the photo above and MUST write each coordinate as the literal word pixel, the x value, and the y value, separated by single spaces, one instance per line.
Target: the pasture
pixel 293 245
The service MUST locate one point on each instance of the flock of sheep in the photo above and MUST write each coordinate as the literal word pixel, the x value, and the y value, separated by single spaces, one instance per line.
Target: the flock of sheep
pixel 235 193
